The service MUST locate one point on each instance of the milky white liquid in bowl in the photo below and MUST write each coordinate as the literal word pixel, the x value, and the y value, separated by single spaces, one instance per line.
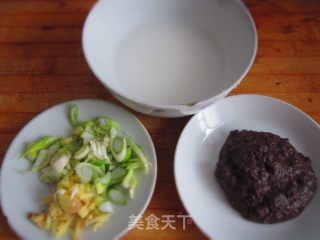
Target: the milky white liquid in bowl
pixel 171 63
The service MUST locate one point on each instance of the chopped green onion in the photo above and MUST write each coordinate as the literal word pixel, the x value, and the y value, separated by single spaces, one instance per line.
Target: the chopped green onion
pixel 40 145
pixel 130 182
pixel 41 162
pixel 134 164
pixel 67 140
pixel 87 137
pixel 107 123
pixel 139 154
pixel 87 171
pixel 133 186
pixel 117 196
pixel 126 181
pixel 118 147
pixel 98 162
pixel 74 115
pixel 102 183
pixel 100 187
pixel 128 154
pixel 77 131
pixel 82 152
pixel 32 156
pixel 113 133
pixel 44 157
pixel 98 132
pixel 87 123
pixel 114 124
pixel 60 160
pixel 118 174
pixel 49 175
pixel 74 162
pixel 99 149
pixel 106 179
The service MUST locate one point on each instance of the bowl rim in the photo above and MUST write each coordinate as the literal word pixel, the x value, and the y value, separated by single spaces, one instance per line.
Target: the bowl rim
pixel 180 106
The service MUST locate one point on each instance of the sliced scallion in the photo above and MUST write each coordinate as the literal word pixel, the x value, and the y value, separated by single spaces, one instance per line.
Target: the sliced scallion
pixel 118 174
pixel 139 154
pixel 41 162
pixel 102 183
pixel 87 171
pixel 118 147
pixel 43 143
pixel 60 160
pixel 74 115
pixel 117 196
pixel 82 152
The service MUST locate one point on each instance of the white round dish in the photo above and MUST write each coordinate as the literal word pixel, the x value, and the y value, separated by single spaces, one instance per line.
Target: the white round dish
pixel 22 193
pixel 110 22
pixel 197 154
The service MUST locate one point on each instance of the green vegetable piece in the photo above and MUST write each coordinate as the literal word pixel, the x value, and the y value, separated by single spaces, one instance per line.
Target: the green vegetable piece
pixel 87 171
pixel 99 132
pixel 134 164
pixel 40 145
pixel 118 196
pixel 49 175
pixel 114 124
pixel 99 150
pixel 118 174
pixel 107 123
pixel 101 164
pixel 130 182
pixel 100 187
pixel 101 184
pixel 44 157
pixel 134 184
pixel 77 131
pixel 41 162
pixel 32 156
pixel 128 154
pixel 82 152
pixel 87 135
pixel 98 162
pixel 60 160
pixel 67 140
pixel 140 154
pixel 118 147
pixel 126 183
pixel 113 133
pixel 74 115
pixel 87 123
pixel 74 162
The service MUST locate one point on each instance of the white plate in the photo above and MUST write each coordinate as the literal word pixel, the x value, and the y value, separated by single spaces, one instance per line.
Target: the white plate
pixel 22 193
pixel 197 155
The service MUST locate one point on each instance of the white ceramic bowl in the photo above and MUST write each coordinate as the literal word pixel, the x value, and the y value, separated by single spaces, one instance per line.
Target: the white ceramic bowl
pixel 111 21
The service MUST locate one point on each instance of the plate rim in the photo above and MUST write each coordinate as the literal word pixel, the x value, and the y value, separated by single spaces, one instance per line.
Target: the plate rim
pixel 265 97
pixel 143 128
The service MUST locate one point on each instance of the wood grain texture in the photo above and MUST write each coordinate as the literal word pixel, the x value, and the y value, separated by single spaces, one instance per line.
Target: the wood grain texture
pixel 42 64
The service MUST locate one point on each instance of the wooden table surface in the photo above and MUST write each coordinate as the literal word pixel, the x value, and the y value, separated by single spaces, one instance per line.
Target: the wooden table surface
pixel 42 64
